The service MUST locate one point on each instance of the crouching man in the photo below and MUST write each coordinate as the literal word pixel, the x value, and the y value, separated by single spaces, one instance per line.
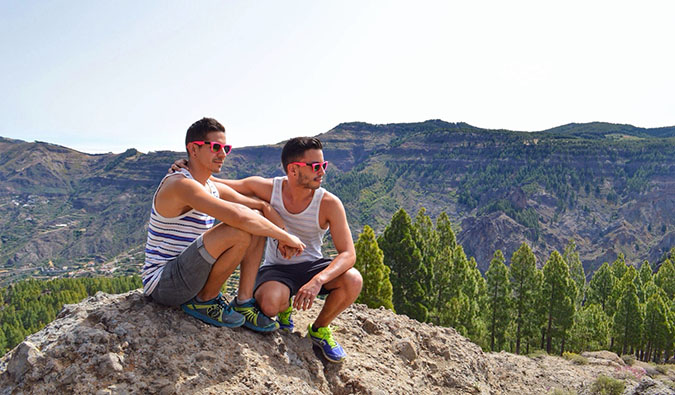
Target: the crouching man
pixel 308 212
pixel 187 258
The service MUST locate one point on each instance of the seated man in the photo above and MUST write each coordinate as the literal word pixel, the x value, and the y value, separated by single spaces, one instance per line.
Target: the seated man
pixel 187 259
pixel 308 211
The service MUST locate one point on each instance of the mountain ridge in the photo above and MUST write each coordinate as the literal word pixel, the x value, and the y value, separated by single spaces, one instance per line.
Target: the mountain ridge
pixel 550 186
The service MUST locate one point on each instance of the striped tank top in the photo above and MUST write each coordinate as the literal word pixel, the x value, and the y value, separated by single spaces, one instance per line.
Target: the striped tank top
pixel 304 225
pixel 168 237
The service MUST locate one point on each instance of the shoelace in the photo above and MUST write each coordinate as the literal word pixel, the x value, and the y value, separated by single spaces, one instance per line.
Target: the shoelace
pixel 327 335
pixel 222 302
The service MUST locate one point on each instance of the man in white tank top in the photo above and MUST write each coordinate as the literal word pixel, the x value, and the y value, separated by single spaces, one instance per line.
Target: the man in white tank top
pixel 308 211
pixel 187 258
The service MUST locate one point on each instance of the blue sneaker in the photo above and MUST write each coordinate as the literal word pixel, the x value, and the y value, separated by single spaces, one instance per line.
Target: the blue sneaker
pixel 254 318
pixel 284 319
pixel 323 338
pixel 215 312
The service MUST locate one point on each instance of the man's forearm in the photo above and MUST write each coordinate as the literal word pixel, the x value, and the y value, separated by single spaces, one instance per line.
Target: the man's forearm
pixel 340 264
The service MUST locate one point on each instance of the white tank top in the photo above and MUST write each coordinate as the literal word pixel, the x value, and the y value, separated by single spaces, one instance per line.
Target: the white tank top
pixel 304 225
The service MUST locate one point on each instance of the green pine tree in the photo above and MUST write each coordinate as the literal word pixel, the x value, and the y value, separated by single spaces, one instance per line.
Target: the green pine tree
pixel 476 290
pixel 377 290
pixel 499 307
pixel 408 273
pixel 645 276
pixel 628 319
pixel 590 330
pixel 600 288
pixel 526 286
pixel 446 236
pixel 657 326
pixel 571 257
pixel 560 292
pixel 619 266
pixel 665 278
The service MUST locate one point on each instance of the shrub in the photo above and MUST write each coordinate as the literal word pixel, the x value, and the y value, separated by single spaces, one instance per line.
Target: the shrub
pixel 575 358
pixel 628 359
pixel 604 385
pixel 537 354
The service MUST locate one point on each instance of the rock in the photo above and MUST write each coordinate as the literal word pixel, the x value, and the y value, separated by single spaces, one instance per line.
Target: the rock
pixel 406 349
pixel 371 327
pixel 24 358
pixel 110 362
pixel 604 355
pixel 649 386
pixel 649 369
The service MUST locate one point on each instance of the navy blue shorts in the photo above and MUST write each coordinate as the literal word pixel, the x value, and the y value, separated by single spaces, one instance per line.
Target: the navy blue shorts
pixel 294 275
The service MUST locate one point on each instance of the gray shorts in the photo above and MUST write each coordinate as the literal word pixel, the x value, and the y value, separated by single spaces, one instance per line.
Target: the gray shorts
pixel 184 276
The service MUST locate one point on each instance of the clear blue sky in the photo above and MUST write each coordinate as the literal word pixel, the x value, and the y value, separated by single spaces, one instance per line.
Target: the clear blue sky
pixel 103 76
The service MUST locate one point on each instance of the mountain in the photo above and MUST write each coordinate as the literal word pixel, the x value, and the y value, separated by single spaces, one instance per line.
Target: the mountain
pixel 116 344
pixel 609 187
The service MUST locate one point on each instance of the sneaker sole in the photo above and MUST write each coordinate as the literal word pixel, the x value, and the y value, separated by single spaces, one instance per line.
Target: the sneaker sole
pixel 326 356
pixel 210 320
pixel 287 328
pixel 260 329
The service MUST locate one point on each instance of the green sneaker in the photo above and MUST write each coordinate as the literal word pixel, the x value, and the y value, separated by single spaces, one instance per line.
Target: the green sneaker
pixel 215 312
pixel 254 318
pixel 323 338
pixel 284 319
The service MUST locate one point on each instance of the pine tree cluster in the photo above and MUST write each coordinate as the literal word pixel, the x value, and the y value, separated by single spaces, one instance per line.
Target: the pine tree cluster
pixel 418 269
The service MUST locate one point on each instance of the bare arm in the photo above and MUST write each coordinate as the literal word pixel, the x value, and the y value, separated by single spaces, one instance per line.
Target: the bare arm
pixel 186 192
pixel 250 186
pixel 336 217
pixel 260 190
pixel 228 193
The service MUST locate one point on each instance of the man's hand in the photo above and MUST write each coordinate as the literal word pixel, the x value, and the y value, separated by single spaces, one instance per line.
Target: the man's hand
pixel 177 165
pixel 287 251
pixel 291 248
pixel 306 295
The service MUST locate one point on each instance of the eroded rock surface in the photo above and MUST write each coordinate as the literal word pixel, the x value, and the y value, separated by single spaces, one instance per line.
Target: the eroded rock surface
pixel 118 344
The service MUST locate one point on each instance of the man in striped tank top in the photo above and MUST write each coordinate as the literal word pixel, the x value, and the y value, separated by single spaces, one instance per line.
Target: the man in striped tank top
pixel 187 258
pixel 308 211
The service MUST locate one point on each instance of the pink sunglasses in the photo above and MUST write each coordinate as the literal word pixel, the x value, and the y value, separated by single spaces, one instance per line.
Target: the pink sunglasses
pixel 315 165
pixel 215 146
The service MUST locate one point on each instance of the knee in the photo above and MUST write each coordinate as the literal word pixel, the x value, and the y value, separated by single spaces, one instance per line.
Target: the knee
pixel 268 305
pixel 241 238
pixel 353 280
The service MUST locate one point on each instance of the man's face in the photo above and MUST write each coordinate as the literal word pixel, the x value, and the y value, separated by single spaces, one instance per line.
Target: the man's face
pixel 205 155
pixel 307 177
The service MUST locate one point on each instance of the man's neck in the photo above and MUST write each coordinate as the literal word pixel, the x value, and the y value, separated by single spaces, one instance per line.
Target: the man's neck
pixel 298 193
pixel 200 174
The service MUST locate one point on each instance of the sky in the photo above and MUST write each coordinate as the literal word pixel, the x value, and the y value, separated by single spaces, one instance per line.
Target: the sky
pixel 104 76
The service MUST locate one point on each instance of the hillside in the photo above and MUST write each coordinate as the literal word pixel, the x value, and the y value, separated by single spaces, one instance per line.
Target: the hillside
pixel 114 344
pixel 610 187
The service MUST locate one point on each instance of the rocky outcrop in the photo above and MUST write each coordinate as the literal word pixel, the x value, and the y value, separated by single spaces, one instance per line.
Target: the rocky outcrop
pixel 124 344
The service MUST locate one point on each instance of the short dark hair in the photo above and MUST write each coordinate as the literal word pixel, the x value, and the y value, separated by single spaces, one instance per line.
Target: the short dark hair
pixel 296 147
pixel 198 130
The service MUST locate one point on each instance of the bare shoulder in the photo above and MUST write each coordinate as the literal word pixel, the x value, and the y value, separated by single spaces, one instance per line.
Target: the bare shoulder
pixel 178 181
pixel 331 210
pixel 330 201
